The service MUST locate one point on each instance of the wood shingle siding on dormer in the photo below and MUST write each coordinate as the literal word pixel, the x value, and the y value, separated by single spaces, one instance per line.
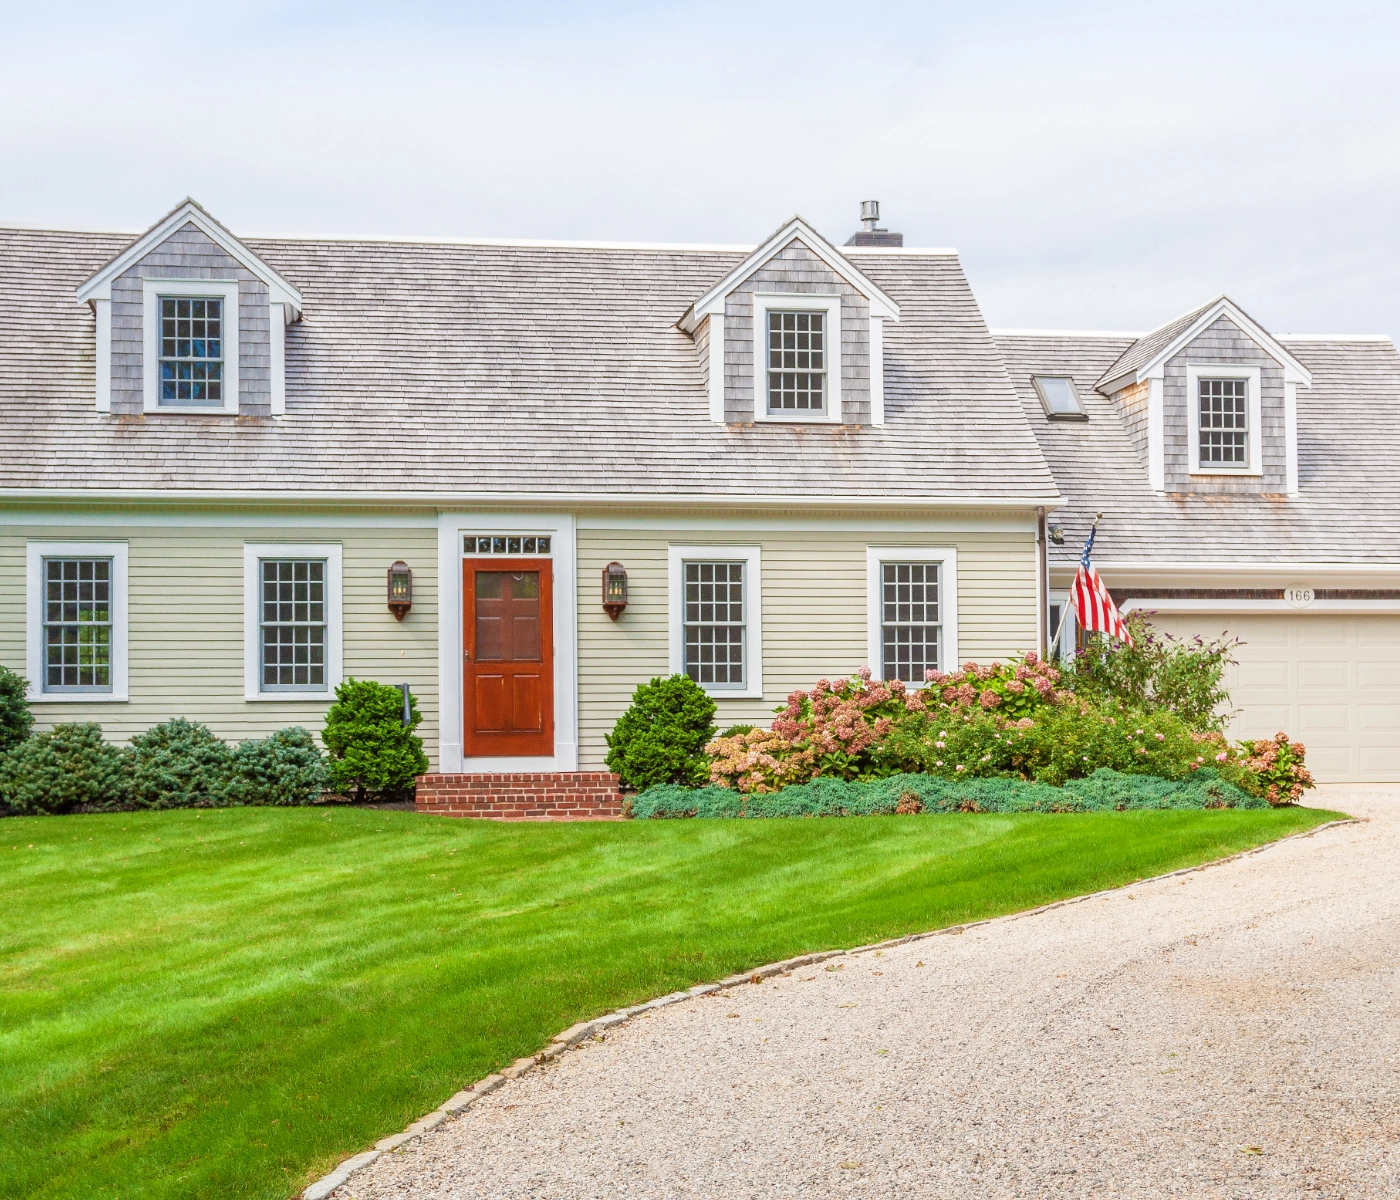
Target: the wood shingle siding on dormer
pixel 795 269
pixel 1223 342
pixel 190 254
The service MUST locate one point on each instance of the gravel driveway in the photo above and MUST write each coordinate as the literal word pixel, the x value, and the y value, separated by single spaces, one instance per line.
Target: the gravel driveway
pixel 1228 1034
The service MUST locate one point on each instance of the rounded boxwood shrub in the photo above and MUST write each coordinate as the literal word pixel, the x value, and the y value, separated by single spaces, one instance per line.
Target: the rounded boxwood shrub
pixel 67 767
pixel 16 720
pixel 285 768
pixel 179 764
pixel 661 738
pixel 373 753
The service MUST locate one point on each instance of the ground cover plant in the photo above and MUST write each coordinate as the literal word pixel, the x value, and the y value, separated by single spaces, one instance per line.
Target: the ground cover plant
pixel 224 1002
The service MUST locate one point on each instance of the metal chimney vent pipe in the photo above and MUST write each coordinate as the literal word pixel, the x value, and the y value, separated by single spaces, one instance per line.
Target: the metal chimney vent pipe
pixel 872 234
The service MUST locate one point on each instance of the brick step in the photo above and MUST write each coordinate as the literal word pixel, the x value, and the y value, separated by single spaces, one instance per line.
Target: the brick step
pixel 522 796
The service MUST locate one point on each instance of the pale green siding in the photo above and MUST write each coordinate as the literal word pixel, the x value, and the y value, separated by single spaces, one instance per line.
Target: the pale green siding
pixel 814 611
pixel 186 631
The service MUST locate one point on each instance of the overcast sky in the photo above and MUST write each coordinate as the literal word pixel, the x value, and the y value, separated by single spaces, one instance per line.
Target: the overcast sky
pixel 1101 166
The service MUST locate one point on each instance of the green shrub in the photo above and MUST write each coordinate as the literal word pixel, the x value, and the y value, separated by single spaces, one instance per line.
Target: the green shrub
pixel 15 718
pixel 661 738
pixel 286 768
pixel 1104 791
pixel 1158 673
pixel 179 764
pixel 67 767
pixel 373 753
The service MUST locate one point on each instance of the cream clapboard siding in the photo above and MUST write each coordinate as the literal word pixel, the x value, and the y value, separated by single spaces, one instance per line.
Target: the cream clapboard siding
pixel 186 623
pixel 814 611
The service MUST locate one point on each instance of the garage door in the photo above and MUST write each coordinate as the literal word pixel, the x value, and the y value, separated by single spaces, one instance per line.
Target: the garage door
pixel 1332 682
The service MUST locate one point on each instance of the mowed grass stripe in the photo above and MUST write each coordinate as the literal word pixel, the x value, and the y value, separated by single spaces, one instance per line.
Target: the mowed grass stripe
pixel 227 1002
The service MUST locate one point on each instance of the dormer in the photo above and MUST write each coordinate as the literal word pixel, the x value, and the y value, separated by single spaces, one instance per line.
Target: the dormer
pixel 794 334
pixel 1211 402
pixel 190 321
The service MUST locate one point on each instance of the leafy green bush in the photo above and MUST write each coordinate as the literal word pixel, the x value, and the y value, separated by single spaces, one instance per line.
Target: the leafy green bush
pixel 1103 791
pixel 373 753
pixel 1158 673
pixel 67 767
pixel 15 718
pixel 284 769
pixel 661 738
pixel 179 764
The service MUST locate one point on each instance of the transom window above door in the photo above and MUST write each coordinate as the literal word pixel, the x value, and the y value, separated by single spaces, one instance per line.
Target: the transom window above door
pixel 1224 422
pixel 796 362
pixel 507 543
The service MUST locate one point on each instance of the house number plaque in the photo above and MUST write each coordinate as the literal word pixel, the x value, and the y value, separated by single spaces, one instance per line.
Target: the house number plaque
pixel 1299 597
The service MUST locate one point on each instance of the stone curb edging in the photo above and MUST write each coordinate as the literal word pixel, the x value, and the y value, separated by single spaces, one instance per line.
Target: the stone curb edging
pixel 584 1031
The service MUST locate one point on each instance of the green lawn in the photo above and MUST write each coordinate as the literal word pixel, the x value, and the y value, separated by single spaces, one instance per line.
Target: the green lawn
pixel 228 1002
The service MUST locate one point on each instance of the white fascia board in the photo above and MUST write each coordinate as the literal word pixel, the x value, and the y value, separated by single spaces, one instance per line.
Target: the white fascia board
pixel 99 287
pixel 1241 567
pixel 1293 370
pixel 796 229
pixel 458 500
pixel 1173 605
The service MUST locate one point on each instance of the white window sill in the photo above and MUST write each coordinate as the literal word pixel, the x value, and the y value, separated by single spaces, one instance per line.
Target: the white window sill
pixel 191 410
pixel 78 698
pixel 264 697
pixel 730 695
pixel 1215 472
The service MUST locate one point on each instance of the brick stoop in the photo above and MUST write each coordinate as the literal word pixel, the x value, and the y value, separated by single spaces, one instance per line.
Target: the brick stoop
pixel 527 796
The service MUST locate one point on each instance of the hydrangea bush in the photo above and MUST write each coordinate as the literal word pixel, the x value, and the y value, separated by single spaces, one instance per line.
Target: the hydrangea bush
pixel 1277 764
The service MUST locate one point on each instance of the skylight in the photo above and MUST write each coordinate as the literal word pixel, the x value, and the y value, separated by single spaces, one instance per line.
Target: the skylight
pixel 1059 399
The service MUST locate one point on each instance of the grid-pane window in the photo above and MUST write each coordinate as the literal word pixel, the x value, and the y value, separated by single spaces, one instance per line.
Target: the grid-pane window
pixel 293 624
pixel 909 619
pixel 796 362
pixel 714 623
pixel 487 543
pixel 78 624
pixel 1224 422
pixel 191 350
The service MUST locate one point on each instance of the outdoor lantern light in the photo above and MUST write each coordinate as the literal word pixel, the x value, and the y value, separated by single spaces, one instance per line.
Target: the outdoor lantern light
pixel 614 589
pixel 400 589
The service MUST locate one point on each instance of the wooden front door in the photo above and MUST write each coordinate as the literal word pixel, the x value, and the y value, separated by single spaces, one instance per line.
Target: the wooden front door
pixel 508 692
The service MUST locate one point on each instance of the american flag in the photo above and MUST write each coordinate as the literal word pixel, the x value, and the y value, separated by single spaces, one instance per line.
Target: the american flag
pixel 1093 606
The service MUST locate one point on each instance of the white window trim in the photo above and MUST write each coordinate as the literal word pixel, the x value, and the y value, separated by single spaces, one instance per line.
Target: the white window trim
pixel 751 557
pixel 35 554
pixel 152 291
pixel 452 527
pixel 763 304
pixel 947 557
pixel 255 552
pixel 1195 372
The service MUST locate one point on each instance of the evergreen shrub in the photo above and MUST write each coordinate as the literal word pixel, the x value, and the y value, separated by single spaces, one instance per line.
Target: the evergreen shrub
pixel 286 768
pixel 374 755
pixel 661 738
pixel 1103 791
pixel 179 764
pixel 15 718
pixel 68 767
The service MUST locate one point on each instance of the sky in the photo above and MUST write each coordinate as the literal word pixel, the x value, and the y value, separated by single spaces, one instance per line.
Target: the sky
pixel 1098 166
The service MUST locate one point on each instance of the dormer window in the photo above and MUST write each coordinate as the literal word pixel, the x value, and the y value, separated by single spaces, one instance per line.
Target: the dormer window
pixel 191 350
pixel 1224 422
pixel 796 362
pixel 1059 398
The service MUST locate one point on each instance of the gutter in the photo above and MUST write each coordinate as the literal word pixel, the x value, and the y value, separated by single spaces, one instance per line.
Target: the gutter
pixel 453 500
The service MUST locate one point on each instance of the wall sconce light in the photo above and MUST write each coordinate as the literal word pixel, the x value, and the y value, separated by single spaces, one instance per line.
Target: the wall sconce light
pixel 1057 534
pixel 614 589
pixel 400 589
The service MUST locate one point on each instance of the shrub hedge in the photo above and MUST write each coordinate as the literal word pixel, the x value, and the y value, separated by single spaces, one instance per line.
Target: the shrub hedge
pixel 285 768
pixel 661 737
pixel 179 764
pixel 374 755
pixel 1103 791
pixel 68 767
pixel 16 720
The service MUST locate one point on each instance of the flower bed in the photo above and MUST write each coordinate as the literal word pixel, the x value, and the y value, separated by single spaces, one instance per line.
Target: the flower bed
pixel 1103 791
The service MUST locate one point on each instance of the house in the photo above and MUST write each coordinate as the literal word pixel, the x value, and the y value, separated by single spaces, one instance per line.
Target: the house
pixel 1250 487
pixel 235 471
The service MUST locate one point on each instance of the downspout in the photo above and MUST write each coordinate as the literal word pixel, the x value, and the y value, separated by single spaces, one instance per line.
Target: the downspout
pixel 1042 584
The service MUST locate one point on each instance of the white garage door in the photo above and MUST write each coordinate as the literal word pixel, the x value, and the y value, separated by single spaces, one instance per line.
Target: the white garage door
pixel 1330 681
